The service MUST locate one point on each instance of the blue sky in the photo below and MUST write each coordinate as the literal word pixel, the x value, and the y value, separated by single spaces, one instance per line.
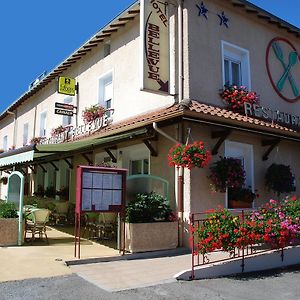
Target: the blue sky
pixel 37 35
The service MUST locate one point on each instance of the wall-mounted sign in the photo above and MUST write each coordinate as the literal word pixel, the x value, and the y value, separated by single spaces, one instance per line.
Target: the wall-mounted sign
pixel 154 30
pixel 283 67
pixel 64 106
pixel 74 132
pixel 63 112
pixel 283 118
pixel 66 86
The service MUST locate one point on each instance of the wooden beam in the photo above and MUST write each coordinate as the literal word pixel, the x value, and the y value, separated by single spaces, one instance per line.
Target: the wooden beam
pixel 150 147
pixel 33 169
pixel 222 135
pixel 87 159
pixel 42 167
pixel 70 165
pixel 113 158
pixel 272 144
pixel 54 166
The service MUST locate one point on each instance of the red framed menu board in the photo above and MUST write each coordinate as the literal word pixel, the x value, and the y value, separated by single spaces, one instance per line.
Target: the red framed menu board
pixel 99 189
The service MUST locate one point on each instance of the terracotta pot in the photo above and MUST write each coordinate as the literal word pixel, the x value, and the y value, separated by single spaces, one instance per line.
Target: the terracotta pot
pixel 239 204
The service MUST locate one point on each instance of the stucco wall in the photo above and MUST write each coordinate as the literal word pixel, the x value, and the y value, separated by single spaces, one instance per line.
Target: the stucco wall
pixel 246 31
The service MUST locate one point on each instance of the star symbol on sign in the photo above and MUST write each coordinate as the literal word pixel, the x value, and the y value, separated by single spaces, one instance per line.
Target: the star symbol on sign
pixel 223 20
pixel 202 10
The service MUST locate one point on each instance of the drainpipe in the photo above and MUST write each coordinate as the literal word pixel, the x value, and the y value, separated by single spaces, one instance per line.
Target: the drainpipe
pixel 179 187
pixel 180 50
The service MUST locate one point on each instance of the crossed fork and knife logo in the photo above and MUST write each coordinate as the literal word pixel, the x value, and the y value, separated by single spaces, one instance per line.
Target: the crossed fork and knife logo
pixel 293 58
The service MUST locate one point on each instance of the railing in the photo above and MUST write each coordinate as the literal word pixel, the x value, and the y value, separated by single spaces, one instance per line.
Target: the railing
pixel 198 259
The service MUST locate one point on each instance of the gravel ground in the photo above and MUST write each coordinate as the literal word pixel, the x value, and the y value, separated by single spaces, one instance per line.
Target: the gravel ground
pixel 283 284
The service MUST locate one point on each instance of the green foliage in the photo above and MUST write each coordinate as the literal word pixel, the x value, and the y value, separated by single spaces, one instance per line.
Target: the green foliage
pixel 50 192
pixel 280 179
pixel 8 210
pixel 147 208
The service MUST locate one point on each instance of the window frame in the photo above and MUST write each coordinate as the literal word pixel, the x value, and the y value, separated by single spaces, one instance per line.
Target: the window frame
pixel 231 146
pixel 25 141
pixel 67 117
pixel 44 134
pixel 235 53
pixel 102 81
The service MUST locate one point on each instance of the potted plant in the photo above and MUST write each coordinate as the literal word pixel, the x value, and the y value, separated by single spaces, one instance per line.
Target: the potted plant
pixel 189 156
pixel 92 113
pixel 240 197
pixel 58 130
pixel 280 179
pixel 227 173
pixel 150 224
pixel 236 96
pixel 8 224
pixel 37 140
pixel 4 180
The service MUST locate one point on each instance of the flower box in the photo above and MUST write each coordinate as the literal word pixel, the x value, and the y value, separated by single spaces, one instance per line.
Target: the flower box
pixel 239 204
pixel 9 231
pixel 142 237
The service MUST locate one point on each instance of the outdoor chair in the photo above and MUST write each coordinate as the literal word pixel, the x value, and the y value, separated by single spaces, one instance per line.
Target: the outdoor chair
pixel 37 224
pixel 61 212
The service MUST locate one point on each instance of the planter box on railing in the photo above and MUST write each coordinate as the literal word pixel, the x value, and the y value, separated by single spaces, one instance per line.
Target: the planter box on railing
pixel 142 237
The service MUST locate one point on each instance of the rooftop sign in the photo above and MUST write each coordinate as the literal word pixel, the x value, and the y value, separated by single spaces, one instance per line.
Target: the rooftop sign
pixel 66 86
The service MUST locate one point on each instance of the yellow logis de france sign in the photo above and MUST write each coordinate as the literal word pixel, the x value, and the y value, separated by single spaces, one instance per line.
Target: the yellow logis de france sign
pixel 155 45
pixel 67 86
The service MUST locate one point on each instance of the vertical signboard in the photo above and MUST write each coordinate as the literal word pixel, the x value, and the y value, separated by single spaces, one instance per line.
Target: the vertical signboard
pixel 99 189
pixel 154 29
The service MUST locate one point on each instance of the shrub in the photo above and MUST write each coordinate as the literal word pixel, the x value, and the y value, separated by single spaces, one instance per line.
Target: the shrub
pixel 147 208
pixel 8 210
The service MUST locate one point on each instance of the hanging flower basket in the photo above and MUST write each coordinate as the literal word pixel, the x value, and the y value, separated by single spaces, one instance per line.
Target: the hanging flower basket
pixel 235 97
pixel 37 140
pixel 189 156
pixel 280 179
pixel 227 173
pixel 92 113
pixel 58 130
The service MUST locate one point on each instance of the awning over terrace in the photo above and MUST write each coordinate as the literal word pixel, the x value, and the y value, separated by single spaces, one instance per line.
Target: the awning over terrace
pixel 39 153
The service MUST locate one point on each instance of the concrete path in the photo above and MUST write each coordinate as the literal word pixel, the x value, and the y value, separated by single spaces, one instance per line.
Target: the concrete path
pixel 42 260
pixel 133 273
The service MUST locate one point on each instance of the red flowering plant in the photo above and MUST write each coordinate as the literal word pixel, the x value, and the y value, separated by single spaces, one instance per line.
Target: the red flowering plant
pixel 227 173
pixel 276 224
pixel 58 130
pixel 236 96
pixel 189 156
pixel 216 232
pixel 92 113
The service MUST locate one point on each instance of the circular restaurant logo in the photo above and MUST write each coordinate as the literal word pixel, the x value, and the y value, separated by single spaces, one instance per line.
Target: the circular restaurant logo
pixel 283 66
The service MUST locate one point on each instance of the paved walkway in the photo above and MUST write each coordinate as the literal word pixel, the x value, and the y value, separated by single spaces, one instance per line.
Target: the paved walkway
pixel 133 273
pixel 42 260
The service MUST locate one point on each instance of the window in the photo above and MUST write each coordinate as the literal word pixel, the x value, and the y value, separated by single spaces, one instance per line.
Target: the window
pixel 43 120
pixel 67 120
pixel 235 65
pixel 106 93
pixel 140 166
pixel 244 152
pixel 25 134
pixel 5 143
